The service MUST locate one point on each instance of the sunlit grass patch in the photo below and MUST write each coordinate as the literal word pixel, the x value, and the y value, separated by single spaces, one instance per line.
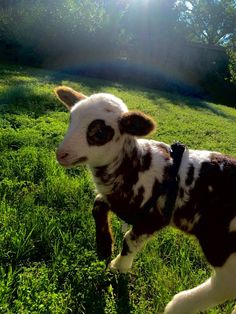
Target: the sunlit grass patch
pixel 47 238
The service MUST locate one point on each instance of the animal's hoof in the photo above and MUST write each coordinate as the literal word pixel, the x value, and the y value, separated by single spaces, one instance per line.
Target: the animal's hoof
pixel 121 264
pixel 113 268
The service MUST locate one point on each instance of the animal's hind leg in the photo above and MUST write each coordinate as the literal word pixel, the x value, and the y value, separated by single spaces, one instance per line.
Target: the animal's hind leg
pixel 219 288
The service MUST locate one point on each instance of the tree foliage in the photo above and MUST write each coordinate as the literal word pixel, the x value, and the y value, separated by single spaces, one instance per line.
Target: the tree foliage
pixel 151 18
pixel 207 21
pixel 152 35
pixel 232 65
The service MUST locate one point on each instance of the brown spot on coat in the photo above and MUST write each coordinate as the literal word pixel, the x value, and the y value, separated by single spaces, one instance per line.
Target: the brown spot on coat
pixel 125 248
pixel 149 223
pixel 98 133
pixel 123 178
pixel 104 238
pixel 216 209
pixel 190 175
pixel 146 160
pixel 181 192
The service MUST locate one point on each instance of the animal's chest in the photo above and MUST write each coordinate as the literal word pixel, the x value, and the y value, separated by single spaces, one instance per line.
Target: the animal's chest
pixel 126 204
pixel 128 198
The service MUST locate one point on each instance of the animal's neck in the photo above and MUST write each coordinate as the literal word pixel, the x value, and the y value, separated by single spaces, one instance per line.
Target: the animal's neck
pixel 110 177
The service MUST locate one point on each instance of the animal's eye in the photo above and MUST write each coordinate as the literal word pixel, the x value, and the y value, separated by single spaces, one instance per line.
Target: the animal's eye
pixel 99 133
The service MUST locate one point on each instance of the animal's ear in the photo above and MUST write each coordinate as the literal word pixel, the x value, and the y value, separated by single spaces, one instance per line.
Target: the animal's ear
pixel 68 96
pixel 136 123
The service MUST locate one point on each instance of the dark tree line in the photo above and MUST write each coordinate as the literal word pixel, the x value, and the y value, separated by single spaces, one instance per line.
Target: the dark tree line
pixel 69 32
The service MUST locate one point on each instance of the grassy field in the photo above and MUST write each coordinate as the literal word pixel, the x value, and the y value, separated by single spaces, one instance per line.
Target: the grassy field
pixel 48 262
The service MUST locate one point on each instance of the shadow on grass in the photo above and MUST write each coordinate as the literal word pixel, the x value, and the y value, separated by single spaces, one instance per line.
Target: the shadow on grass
pixel 31 92
pixel 122 293
pixel 24 98
pixel 194 103
pixel 88 85
pixel 100 303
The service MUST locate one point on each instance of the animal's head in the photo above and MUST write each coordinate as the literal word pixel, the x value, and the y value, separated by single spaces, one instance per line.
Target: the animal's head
pixel 98 127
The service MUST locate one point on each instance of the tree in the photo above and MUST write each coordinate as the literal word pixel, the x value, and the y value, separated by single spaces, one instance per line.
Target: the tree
pixel 50 29
pixel 153 19
pixel 207 21
pixel 232 65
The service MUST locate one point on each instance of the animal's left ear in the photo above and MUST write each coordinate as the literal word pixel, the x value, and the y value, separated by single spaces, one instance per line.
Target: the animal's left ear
pixel 136 123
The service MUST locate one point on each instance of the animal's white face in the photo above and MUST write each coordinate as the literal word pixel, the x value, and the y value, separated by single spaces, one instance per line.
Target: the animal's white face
pixel 98 127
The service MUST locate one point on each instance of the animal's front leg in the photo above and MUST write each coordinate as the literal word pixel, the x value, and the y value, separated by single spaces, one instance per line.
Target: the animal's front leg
pixel 135 238
pixel 104 239
pixel 132 243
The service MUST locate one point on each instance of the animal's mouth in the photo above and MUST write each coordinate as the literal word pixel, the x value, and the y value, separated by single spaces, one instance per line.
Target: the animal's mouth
pixel 74 163
pixel 79 161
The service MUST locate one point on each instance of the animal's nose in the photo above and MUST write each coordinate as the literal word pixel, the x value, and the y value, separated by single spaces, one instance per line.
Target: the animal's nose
pixel 62 156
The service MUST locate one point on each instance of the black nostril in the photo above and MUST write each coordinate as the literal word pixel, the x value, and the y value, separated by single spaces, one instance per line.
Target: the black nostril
pixel 63 156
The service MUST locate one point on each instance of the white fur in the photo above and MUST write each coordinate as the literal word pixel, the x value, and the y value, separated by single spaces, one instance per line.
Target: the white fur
pixel 156 170
pixel 196 158
pixel 210 188
pixel 99 106
pixel 124 263
pixel 222 166
pixel 121 264
pixel 232 225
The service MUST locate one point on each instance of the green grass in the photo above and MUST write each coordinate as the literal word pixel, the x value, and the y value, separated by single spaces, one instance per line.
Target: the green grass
pixel 47 238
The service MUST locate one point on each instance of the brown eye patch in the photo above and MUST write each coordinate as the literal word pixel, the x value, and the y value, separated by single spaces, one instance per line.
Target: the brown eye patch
pixel 99 133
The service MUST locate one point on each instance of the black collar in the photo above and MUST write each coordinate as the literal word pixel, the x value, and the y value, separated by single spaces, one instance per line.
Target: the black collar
pixel 169 188
pixel 172 185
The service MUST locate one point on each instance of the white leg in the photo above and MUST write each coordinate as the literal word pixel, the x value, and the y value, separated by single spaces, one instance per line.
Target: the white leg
pixel 234 311
pixel 131 245
pixel 219 288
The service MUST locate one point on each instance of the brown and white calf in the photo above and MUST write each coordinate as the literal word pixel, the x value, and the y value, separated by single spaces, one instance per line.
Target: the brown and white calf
pixel 128 171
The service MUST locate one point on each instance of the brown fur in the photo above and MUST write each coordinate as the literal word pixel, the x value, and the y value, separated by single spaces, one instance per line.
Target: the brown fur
pixel 136 123
pixel 207 213
pixel 104 238
pixel 216 208
pixel 99 133
pixel 122 200
pixel 190 176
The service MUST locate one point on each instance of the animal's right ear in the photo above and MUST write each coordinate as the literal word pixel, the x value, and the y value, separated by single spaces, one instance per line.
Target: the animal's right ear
pixel 68 96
